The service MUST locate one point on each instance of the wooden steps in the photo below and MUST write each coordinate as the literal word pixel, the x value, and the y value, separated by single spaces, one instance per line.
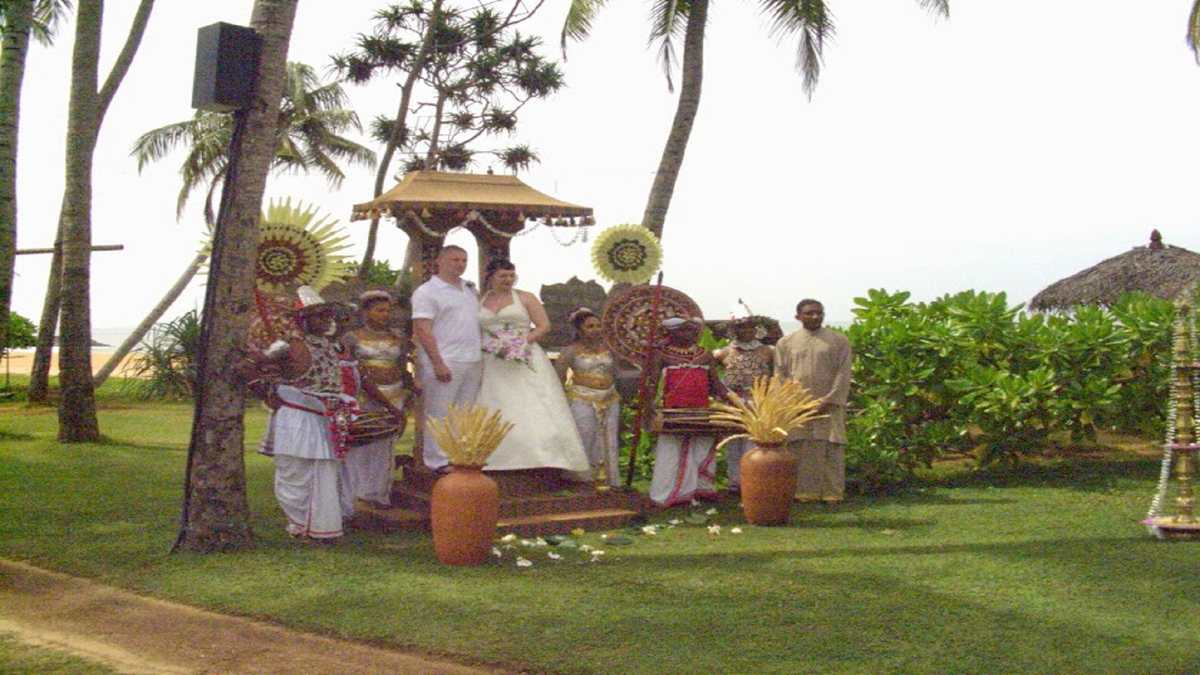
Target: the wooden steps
pixel 533 502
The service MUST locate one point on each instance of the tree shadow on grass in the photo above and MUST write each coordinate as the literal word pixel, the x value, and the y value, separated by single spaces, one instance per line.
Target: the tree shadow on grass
pixel 1085 474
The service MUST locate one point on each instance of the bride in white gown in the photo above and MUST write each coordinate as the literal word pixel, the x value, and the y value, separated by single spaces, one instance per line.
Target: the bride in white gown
pixel 521 383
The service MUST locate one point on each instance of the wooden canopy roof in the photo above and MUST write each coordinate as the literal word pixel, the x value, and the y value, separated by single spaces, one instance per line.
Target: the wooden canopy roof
pixel 435 191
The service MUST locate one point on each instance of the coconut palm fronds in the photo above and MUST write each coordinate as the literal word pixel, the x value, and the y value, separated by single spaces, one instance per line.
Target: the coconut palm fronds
pixel 777 405
pixel 469 434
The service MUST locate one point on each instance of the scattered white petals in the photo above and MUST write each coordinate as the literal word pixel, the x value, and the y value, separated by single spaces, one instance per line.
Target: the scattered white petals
pixel 553 556
pixel 508 537
pixel 522 562
pixel 714 529
pixel 735 530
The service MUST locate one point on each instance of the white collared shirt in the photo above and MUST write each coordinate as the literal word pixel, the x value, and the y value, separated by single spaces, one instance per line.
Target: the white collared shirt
pixel 455 314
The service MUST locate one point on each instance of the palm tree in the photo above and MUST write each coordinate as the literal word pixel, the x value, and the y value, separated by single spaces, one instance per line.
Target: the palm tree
pixel 809 20
pixel 216 514
pixel 70 264
pixel 312 117
pixel 86 108
pixel 20 20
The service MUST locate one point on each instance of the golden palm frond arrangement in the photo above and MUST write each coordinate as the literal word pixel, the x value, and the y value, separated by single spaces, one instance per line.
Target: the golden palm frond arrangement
pixel 469 434
pixel 777 405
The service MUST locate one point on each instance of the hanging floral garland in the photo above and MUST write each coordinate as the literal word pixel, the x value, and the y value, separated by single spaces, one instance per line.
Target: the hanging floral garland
pixel 627 254
pixel 296 248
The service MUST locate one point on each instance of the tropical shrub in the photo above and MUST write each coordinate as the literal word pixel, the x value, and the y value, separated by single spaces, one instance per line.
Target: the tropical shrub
pixel 165 367
pixel 21 333
pixel 969 373
pixel 1141 404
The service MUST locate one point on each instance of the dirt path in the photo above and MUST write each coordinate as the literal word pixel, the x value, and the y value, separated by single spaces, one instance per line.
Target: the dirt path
pixel 133 634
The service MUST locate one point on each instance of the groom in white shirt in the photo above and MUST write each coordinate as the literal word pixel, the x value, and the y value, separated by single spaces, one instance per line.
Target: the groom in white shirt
pixel 446 328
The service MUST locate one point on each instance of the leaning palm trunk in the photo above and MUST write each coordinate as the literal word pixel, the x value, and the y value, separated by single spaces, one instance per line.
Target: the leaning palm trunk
pixel 389 151
pixel 18 17
pixel 216 514
pixel 39 376
pixel 147 323
pixel 681 127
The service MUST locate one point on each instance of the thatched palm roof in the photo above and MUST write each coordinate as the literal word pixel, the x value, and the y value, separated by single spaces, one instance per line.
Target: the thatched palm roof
pixel 1158 269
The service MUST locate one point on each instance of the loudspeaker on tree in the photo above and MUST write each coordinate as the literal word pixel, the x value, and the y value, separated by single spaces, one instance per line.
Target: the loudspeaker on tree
pixel 226 63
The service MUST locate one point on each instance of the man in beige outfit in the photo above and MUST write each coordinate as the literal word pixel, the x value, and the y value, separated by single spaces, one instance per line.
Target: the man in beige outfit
pixel 819 359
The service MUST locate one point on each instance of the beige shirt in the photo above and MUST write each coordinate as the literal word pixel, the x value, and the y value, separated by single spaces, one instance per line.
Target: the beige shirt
pixel 820 361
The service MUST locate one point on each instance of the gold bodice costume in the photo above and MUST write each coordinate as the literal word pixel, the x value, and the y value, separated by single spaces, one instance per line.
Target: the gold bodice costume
pixel 381 359
pixel 592 378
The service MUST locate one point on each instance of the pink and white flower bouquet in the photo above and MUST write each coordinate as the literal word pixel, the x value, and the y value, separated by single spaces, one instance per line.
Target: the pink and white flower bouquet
pixel 508 344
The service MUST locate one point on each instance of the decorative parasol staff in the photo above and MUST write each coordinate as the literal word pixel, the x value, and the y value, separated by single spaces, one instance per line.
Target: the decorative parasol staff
pixel 632 254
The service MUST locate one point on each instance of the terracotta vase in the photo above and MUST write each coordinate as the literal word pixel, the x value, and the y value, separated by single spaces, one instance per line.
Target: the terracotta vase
pixel 464 508
pixel 768 484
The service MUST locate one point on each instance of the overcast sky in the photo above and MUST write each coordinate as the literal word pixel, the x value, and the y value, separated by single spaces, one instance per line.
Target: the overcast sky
pixel 1005 148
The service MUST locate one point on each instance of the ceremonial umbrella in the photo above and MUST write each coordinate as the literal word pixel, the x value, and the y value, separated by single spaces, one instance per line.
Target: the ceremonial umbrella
pixel 1157 269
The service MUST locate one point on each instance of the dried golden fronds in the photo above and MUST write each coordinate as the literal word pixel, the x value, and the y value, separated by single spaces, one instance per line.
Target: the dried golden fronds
pixel 777 405
pixel 469 434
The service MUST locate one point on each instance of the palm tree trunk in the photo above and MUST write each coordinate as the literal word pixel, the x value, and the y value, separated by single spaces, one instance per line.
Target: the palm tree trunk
pixel 39 376
pixel 18 15
pixel 685 116
pixel 393 142
pixel 151 318
pixel 77 420
pixel 216 514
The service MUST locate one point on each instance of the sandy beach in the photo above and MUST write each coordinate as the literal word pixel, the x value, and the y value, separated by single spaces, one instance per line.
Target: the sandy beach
pixel 20 362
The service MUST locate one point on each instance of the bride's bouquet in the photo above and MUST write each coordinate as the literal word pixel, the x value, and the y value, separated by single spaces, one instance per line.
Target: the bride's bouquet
pixel 508 344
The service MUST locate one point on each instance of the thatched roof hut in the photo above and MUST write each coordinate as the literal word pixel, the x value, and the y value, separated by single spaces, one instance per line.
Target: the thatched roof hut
pixel 1158 269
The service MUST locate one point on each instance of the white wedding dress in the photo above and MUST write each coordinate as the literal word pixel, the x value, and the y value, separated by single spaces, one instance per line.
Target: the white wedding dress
pixel 531 397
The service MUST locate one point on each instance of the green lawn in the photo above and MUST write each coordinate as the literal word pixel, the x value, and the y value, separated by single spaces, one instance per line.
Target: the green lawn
pixel 1044 569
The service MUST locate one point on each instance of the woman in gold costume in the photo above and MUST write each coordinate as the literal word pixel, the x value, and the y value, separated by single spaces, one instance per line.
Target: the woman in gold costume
pixel 592 393
pixel 381 352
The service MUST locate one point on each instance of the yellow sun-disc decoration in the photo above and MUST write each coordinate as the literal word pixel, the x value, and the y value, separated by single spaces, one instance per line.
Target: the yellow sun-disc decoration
pixel 627 254
pixel 296 248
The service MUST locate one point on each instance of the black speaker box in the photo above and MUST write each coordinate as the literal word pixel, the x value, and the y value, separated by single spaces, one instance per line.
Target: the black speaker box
pixel 226 62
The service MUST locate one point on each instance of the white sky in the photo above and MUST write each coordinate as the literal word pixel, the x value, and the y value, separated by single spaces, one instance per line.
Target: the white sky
pixel 1015 144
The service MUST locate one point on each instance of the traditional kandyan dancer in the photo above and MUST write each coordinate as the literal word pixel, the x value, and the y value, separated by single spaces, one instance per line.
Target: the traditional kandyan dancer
pixel 381 352
pixel 314 402
pixel 684 457
pixel 745 358
pixel 592 393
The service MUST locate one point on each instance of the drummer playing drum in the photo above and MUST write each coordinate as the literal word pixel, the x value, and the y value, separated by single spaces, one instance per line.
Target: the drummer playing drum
pixel 685 456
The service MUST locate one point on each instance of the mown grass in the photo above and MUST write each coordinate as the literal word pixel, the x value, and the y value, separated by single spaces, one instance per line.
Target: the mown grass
pixel 1042 568
pixel 19 658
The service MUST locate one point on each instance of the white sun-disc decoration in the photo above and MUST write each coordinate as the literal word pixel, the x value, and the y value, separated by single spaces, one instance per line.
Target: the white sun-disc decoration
pixel 627 253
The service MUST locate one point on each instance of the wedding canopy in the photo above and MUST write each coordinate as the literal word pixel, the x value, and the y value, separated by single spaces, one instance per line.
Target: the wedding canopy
pixel 1158 269
pixel 427 205
pixel 435 191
